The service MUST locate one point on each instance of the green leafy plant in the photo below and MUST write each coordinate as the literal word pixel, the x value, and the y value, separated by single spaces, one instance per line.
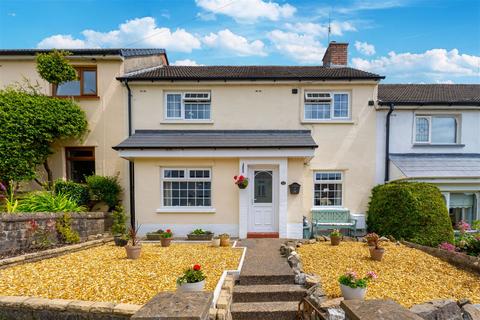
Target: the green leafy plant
pixel 167 234
pixel 55 68
pixel 192 275
pixel 413 211
pixel 11 204
pixel 29 125
pixel 476 225
pixel 47 202
pixel 106 189
pixel 200 231
pixel 77 192
pixel 64 229
pixel 351 279
pixel 335 233
pixel 119 226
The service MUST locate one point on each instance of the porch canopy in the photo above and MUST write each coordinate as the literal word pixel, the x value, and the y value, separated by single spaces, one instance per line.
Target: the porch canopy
pixel 218 143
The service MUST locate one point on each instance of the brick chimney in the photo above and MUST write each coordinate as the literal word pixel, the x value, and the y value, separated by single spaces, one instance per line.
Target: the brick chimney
pixel 336 54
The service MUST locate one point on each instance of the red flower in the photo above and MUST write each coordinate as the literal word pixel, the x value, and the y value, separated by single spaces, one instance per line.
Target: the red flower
pixel 196 267
pixel 241 178
pixel 169 231
pixel 234 177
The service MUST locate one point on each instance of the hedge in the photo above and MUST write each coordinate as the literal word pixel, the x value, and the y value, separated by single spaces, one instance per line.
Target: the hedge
pixel 413 211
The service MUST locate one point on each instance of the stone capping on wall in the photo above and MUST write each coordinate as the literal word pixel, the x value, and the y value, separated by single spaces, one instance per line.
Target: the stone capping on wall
pixel 26 216
pixel 457 259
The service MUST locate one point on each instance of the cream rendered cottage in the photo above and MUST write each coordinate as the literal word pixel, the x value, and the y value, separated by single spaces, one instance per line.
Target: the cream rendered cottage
pixel 195 128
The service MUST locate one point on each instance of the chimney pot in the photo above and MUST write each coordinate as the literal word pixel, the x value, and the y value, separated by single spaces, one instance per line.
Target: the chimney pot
pixel 336 54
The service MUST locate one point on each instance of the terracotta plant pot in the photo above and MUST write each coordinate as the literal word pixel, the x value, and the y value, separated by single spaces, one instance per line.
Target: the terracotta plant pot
pixel 353 293
pixel 225 242
pixel 133 252
pixel 335 240
pixel 376 254
pixel 216 242
pixel 188 287
pixel 165 242
pixel 371 243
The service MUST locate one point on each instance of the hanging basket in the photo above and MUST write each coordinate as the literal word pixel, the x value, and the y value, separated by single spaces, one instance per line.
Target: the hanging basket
pixel 243 184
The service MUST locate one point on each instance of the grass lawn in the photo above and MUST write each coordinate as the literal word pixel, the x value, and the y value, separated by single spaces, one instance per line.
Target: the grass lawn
pixel 405 275
pixel 104 274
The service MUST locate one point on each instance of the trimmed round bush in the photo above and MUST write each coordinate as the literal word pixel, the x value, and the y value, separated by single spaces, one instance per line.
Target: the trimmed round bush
pixel 412 211
pixel 77 192
pixel 106 189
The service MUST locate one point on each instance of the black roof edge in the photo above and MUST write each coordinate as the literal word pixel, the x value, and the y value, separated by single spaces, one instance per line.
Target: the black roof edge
pixel 472 155
pixel 222 147
pixel 220 131
pixel 123 78
pixel 433 103
pixel 99 51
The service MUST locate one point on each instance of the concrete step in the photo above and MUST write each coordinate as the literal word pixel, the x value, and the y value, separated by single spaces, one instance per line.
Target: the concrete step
pixel 283 310
pixel 266 279
pixel 273 292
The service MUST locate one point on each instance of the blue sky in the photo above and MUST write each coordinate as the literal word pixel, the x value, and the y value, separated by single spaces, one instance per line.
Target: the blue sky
pixel 409 41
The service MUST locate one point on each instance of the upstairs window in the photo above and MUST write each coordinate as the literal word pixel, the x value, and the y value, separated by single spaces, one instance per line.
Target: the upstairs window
pixel 328 189
pixel 436 129
pixel 187 106
pixel 85 86
pixel 327 106
pixel 187 187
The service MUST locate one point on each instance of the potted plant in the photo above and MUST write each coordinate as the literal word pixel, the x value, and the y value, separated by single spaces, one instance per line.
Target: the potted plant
pixel 134 249
pixel 166 238
pixel 155 235
pixel 200 235
pixel 192 279
pixel 372 238
pixel 224 240
pixel 216 242
pixel 353 287
pixel 119 227
pixel 335 237
pixel 376 251
pixel 241 181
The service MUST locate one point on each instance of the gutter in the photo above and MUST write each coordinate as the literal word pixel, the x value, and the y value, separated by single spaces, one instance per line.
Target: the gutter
pixel 387 142
pixel 131 164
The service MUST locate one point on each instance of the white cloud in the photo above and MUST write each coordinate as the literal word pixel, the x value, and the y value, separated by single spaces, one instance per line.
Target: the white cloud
pixel 12 14
pixel 303 48
pixel 248 10
pixel 139 32
pixel 360 5
pixel 447 81
pixel 234 43
pixel 434 64
pixel 186 62
pixel 338 28
pixel 365 48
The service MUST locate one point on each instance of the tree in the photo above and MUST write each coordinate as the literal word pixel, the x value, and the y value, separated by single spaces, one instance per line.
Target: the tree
pixel 54 68
pixel 29 124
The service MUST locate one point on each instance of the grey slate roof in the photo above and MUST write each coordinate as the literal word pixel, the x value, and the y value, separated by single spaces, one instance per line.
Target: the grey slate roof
pixel 123 52
pixel 250 73
pixel 179 139
pixel 429 94
pixel 438 165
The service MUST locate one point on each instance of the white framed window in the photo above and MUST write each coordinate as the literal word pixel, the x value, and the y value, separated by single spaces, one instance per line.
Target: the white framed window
pixel 328 189
pixel 326 106
pixel 436 129
pixel 187 105
pixel 186 187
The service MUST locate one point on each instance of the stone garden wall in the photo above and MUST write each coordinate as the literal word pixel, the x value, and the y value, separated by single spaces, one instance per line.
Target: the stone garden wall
pixel 14 235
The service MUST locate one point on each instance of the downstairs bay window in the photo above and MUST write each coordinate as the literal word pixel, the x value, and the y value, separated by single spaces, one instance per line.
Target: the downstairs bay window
pixel 328 189
pixel 186 188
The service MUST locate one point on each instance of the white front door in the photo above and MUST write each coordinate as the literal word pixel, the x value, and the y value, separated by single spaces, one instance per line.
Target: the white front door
pixel 262 215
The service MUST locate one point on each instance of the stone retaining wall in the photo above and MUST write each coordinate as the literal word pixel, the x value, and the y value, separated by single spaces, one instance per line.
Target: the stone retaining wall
pixel 221 311
pixel 14 235
pixel 458 259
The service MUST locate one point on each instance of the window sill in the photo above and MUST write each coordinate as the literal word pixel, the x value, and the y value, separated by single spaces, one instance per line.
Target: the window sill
pixel 328 121
pixel 432 145
pixel 186 210
pixel 78 97
pixel 186 122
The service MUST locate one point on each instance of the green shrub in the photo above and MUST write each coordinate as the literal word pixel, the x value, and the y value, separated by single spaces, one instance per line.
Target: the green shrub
pixel 119 217
pixel 64 229
pixel 48 202
pixel 77 192
pixel 412 211
pixel 106 189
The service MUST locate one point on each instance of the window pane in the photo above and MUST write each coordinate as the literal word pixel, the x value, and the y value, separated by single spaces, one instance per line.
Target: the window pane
pixel 340 105
pixel 320 176
pixel 197 110
pixel 174 105
pixel 328 194
pixel 421 130
pixel 69 88
pixel 90 82
pixel 75 153
pixel 317 111
pixel 79 169
pixel 186 193
pixel 443 130
pixel 263 187
pixel 174 173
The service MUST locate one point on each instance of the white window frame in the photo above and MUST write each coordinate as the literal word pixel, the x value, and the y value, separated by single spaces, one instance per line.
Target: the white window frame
pixel 186 178
pixel 429 118
pixel 332 103
pixel 341 181
pixel 182 105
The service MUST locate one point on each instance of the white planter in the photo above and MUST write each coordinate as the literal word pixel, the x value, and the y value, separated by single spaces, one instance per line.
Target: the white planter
pixel 353 293
pixel 216 242
pixel 188 287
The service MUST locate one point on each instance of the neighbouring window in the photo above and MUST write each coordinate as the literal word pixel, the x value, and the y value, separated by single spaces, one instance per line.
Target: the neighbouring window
pixel 85 85
pixel 328 189
pixel 187 187
pixel 436 129
pixel 462 207
pixel 327 105
pixel 187 106
pixel 80 163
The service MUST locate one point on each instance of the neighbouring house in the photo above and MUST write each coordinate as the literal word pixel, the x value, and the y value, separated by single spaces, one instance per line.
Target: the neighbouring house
pixel 434 136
